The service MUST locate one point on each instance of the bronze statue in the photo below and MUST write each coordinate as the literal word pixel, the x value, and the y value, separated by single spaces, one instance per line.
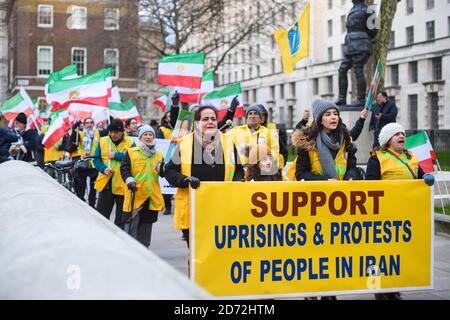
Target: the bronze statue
pixel 356 52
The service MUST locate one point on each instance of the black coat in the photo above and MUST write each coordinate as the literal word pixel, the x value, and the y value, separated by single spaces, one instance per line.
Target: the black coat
pixel 7 137
pixel 205 171
pixel 374 171
pixel 388 115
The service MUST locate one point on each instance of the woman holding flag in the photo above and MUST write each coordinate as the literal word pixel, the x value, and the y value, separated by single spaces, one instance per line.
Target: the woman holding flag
pixel 392 161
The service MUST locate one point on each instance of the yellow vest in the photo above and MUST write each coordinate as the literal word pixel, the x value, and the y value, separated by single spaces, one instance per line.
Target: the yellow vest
pixel 340 162
pixel 290 172
pixel 117 184
pixel 182 203
pixel 393 169
pixel 167 133
pixel 145 171
pixel 242 135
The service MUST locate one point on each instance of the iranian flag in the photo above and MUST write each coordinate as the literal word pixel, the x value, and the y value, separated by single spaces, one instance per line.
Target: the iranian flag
pixel 59 126
pixel 181 70
pixel 124 111
pixel 67 73
pixel 21 102
pixel 162 101
pixel 190 95
pixel 221 99
pixel 88 89
pixel 420 145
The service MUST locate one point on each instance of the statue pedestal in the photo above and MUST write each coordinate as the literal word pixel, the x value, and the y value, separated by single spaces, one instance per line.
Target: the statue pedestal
pixel 350 115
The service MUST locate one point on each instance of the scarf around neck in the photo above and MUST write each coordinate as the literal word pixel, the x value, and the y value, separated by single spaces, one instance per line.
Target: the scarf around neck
pixel 325 144
pixel 149 150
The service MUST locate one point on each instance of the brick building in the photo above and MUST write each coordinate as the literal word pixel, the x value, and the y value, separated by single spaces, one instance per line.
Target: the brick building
pixel 46 35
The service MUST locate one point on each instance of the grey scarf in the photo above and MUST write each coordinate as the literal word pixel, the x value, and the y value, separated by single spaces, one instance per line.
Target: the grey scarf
pixel 148 150
pixel 324 146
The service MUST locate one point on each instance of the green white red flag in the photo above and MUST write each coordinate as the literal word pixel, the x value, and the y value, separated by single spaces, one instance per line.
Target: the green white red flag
pixel 181 70
pixel 162 101
pixel 190 95
pixel 21 102
pixel 420 145
pixel 221 99
pixel 89 89
pixel 59 126
pixel 124 111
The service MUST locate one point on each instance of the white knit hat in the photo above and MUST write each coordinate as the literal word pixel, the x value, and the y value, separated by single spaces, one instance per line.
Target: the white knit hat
pixel 388 131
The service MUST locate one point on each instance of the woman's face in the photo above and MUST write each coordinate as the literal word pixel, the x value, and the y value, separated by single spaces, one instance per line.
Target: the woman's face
pixel 147 138
pixel 207 124
pixel 265 164
pixel 397 142
pixel 330 120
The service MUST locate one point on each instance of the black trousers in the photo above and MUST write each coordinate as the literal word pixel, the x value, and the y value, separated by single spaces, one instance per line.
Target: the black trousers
pixel 141 225
pixel 105 204
pixel 168 202
pixel 80 179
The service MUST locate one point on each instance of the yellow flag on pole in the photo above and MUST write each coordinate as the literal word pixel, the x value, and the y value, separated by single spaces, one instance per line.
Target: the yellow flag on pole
pixel 294 43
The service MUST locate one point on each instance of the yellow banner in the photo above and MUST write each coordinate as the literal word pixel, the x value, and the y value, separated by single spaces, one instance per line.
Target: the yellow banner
pixel 293 239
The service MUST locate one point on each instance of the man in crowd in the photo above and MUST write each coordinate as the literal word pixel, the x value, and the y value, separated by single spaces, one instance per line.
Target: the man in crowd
pixel 383 112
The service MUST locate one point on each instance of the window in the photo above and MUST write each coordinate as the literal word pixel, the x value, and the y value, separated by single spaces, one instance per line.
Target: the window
pixel 78 18
pixel 273 65
pixel 330 53
pixel 430 30
pixel 258 51
pixel 250 72
pixel 45 16
pixel 290 118
pixel 272 92
pixel 430 4
pixel 330 28
pixel 281 91
pixel 410 35
pixel 392 40
pixel 394 75
pixel 236 76
pixel 343 24
pixel 413 72
pixel 330 84
pixel 255 95
pixel 44 60
pixel 282 116
pixel 80 59
pixel 433 99
pixel 258 71
pixel 409 6
pixel 330 4
pixel 412 105
pixel 243 74
pixel 293 93
pixel 437 68
pixel 316 86
pixel 448 25
pixel 111 19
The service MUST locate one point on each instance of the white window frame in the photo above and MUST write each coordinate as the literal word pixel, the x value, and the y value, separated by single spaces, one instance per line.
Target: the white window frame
pixel 37 61
pixel 118 59
pixel 117 16
pixel 85 58
pixel 41 25
pixel 71 10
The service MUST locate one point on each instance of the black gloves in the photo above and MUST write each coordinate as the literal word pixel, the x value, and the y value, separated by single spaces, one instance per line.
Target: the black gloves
pixel 429 179
pixel 234 103
pixel 193 181
pixel 132 186
pixel 175 99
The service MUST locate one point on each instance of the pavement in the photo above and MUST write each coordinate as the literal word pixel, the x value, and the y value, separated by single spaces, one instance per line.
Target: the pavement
pixel 169 246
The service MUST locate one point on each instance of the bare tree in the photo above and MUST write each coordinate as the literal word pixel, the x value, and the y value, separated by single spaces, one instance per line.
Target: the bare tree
pixel 214 27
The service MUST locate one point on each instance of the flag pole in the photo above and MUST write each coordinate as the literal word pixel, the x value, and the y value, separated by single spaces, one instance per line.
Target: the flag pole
pixel 308 95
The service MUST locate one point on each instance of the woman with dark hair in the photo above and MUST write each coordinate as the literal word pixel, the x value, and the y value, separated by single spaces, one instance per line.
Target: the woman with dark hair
pixel 325 150
pixel 165 128
pixel 202 155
